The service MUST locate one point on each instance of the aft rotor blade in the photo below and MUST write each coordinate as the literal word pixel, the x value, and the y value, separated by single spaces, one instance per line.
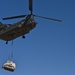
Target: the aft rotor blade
pixel 31 5
pixel 49 18
pixel 13 17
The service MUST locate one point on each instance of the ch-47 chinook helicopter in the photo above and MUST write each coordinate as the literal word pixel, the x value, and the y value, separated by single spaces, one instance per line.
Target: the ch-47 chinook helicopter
pixel 9 32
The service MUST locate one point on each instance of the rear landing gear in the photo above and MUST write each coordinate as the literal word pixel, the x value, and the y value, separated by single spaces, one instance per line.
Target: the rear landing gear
pixel 6 42
pixel 23 37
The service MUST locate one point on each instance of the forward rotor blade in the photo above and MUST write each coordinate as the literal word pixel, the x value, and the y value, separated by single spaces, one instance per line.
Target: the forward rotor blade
pixel 30 6
pixel 48 18
pixel 13 17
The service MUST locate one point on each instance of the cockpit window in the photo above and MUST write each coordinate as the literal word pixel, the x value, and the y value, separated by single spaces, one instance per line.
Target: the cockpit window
pixel 0 23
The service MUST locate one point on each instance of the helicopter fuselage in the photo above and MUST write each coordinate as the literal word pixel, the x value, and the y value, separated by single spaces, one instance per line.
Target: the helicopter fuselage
pixel 16 30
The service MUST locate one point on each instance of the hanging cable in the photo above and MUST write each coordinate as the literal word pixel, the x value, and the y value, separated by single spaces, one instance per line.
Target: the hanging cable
pixel 11 54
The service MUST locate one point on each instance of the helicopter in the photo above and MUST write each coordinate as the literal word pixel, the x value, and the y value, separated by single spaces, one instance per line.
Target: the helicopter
pixel 9 32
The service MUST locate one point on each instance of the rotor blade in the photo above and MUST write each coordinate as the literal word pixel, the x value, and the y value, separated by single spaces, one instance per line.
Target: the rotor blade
pixel 30 5
pixel 48 18
pixel 13 17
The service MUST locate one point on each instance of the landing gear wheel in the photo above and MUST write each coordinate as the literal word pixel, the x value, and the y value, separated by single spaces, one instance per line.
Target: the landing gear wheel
pixel 6 42
pixel 23 37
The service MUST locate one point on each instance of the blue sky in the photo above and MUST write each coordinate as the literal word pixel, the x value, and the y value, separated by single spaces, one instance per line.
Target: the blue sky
pixel 49 49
